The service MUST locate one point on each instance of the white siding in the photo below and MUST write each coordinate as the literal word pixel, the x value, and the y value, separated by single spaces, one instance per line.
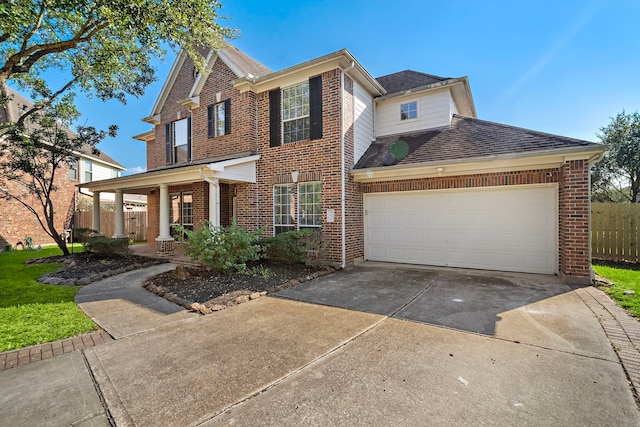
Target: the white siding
pixel 101 171
pixel 434 110
pixel 363 121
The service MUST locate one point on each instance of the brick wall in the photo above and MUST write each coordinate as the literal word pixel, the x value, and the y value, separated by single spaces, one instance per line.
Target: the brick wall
pixel 575 261
pixel 17 222
pixel 317 160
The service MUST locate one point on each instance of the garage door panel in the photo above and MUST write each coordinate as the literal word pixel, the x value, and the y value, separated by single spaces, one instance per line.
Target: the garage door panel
pixel 513 229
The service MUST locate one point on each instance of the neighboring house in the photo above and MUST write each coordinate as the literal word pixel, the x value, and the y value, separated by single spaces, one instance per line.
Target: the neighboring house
pixel 16 222
pixel 395 169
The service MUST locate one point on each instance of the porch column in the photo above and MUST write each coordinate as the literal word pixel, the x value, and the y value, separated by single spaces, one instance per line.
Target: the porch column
pixel 95 221
pixel 214 202
pixel 119 217
pixel 165 233
pixel 165 244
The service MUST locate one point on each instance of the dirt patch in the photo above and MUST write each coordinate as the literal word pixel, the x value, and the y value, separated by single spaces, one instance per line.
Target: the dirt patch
pixel 205 291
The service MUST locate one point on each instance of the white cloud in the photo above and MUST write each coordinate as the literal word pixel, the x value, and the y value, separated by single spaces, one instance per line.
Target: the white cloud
pixel 134 170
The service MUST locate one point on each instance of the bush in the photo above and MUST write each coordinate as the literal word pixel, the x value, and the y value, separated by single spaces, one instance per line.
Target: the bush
pixel 221 249
pixel 108 246
pixel 296 247
pixel 82 236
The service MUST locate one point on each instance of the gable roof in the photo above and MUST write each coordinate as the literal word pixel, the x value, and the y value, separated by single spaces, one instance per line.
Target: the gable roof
pixel 12 111
pixel 466 139
pixel 241 64
pixel 408 79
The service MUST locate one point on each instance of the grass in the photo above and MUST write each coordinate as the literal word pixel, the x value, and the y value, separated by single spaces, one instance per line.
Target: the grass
pixel 625 277
pixel 30 312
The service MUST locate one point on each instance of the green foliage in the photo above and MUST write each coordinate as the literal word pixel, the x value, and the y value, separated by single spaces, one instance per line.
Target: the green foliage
pixel 82 236
pixel 103 48
pixel 30 312
pixel 221 249
pixel 296 247
pixel 108 246
pixel 617 176
pixel 625 277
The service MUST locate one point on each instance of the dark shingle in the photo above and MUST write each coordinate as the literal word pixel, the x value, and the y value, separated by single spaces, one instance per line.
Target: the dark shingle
pixel 408 79
pixel 244 62
pixel 465 138
pixel 19 103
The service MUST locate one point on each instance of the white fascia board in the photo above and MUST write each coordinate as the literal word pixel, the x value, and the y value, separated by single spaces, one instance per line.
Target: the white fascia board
pixel 341 59
pixel 146 136
pixel 232 66
pixel 481 165
pixel 176 176
pixel 460 90
pixel 201 79
pixel 220 166
pixel 168 84
pixel 97 160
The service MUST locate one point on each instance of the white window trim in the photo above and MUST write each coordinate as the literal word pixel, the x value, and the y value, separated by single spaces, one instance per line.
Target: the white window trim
pixel 296 193
pixel 283 120
pixel 400 120
pixel 217 123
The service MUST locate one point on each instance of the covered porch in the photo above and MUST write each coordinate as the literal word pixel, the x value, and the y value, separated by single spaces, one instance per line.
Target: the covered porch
pixel 193 191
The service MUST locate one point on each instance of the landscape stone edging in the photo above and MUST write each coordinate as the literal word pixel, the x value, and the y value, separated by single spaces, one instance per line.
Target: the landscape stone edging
pixel 227 300
pixel 51 279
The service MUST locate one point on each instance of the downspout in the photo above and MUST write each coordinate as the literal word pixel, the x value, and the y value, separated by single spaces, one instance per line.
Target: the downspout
pixel 214 207
pixel 343 215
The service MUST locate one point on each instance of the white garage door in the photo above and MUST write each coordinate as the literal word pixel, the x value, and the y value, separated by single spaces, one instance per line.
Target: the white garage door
pixel 501 228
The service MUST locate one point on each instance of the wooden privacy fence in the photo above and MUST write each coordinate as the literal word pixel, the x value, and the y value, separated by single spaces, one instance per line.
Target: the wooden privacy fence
pixel 614 231
pixel 135 223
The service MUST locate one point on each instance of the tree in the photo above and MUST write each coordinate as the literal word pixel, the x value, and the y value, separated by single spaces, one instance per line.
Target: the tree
pixel 51 48
pixel 34 155
pixel 617 176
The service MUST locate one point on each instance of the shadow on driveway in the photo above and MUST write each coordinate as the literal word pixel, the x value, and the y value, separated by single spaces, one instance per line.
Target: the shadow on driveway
pixel 466 300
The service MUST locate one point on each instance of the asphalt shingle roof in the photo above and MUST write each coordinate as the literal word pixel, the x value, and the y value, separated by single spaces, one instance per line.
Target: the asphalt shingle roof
pixel 407 79
pixel 14 109
pixel 465 138
pixel 244 62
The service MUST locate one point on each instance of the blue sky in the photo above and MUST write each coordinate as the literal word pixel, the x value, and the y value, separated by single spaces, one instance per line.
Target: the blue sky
pixel 563 67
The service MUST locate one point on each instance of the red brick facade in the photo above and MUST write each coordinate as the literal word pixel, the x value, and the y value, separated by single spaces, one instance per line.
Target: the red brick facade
pixel 329 160
pixel 17 222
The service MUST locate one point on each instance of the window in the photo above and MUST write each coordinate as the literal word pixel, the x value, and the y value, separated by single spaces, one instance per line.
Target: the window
pixel 409 111
pixel 219 119
pixel 181 210
pixel 295 113
pixel 310 205
pixel 295 213
pixel 88 171
pixel 115 173
pixel 178 141
pixel 284 208
pixel 296 122
pixel 73 168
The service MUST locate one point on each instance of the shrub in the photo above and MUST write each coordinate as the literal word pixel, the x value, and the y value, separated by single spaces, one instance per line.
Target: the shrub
pixel 82 236
pixel 108 246
pixel 296 247
pixel 222 249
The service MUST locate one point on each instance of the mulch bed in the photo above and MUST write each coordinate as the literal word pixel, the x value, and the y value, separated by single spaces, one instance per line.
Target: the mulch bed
pixel 195 288
pixel 206 291
pixel 85 267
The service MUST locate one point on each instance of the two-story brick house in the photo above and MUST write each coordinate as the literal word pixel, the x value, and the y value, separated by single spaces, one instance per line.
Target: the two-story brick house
pixel 391 169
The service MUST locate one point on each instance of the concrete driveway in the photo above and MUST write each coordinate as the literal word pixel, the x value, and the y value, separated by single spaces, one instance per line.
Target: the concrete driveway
pixel 276 361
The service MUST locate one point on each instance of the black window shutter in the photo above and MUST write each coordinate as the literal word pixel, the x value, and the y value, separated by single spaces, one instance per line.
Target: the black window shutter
pixel 167 143
pixel 274 117
pixel 189 138
pixel 315 107
pixel 227 116
pixel 210 121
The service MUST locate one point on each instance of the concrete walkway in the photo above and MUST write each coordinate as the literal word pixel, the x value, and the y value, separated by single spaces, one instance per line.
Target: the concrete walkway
pixel 280 362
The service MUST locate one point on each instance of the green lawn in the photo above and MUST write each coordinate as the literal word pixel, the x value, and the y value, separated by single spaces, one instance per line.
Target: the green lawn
pixel 33 313
pixel 625 277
